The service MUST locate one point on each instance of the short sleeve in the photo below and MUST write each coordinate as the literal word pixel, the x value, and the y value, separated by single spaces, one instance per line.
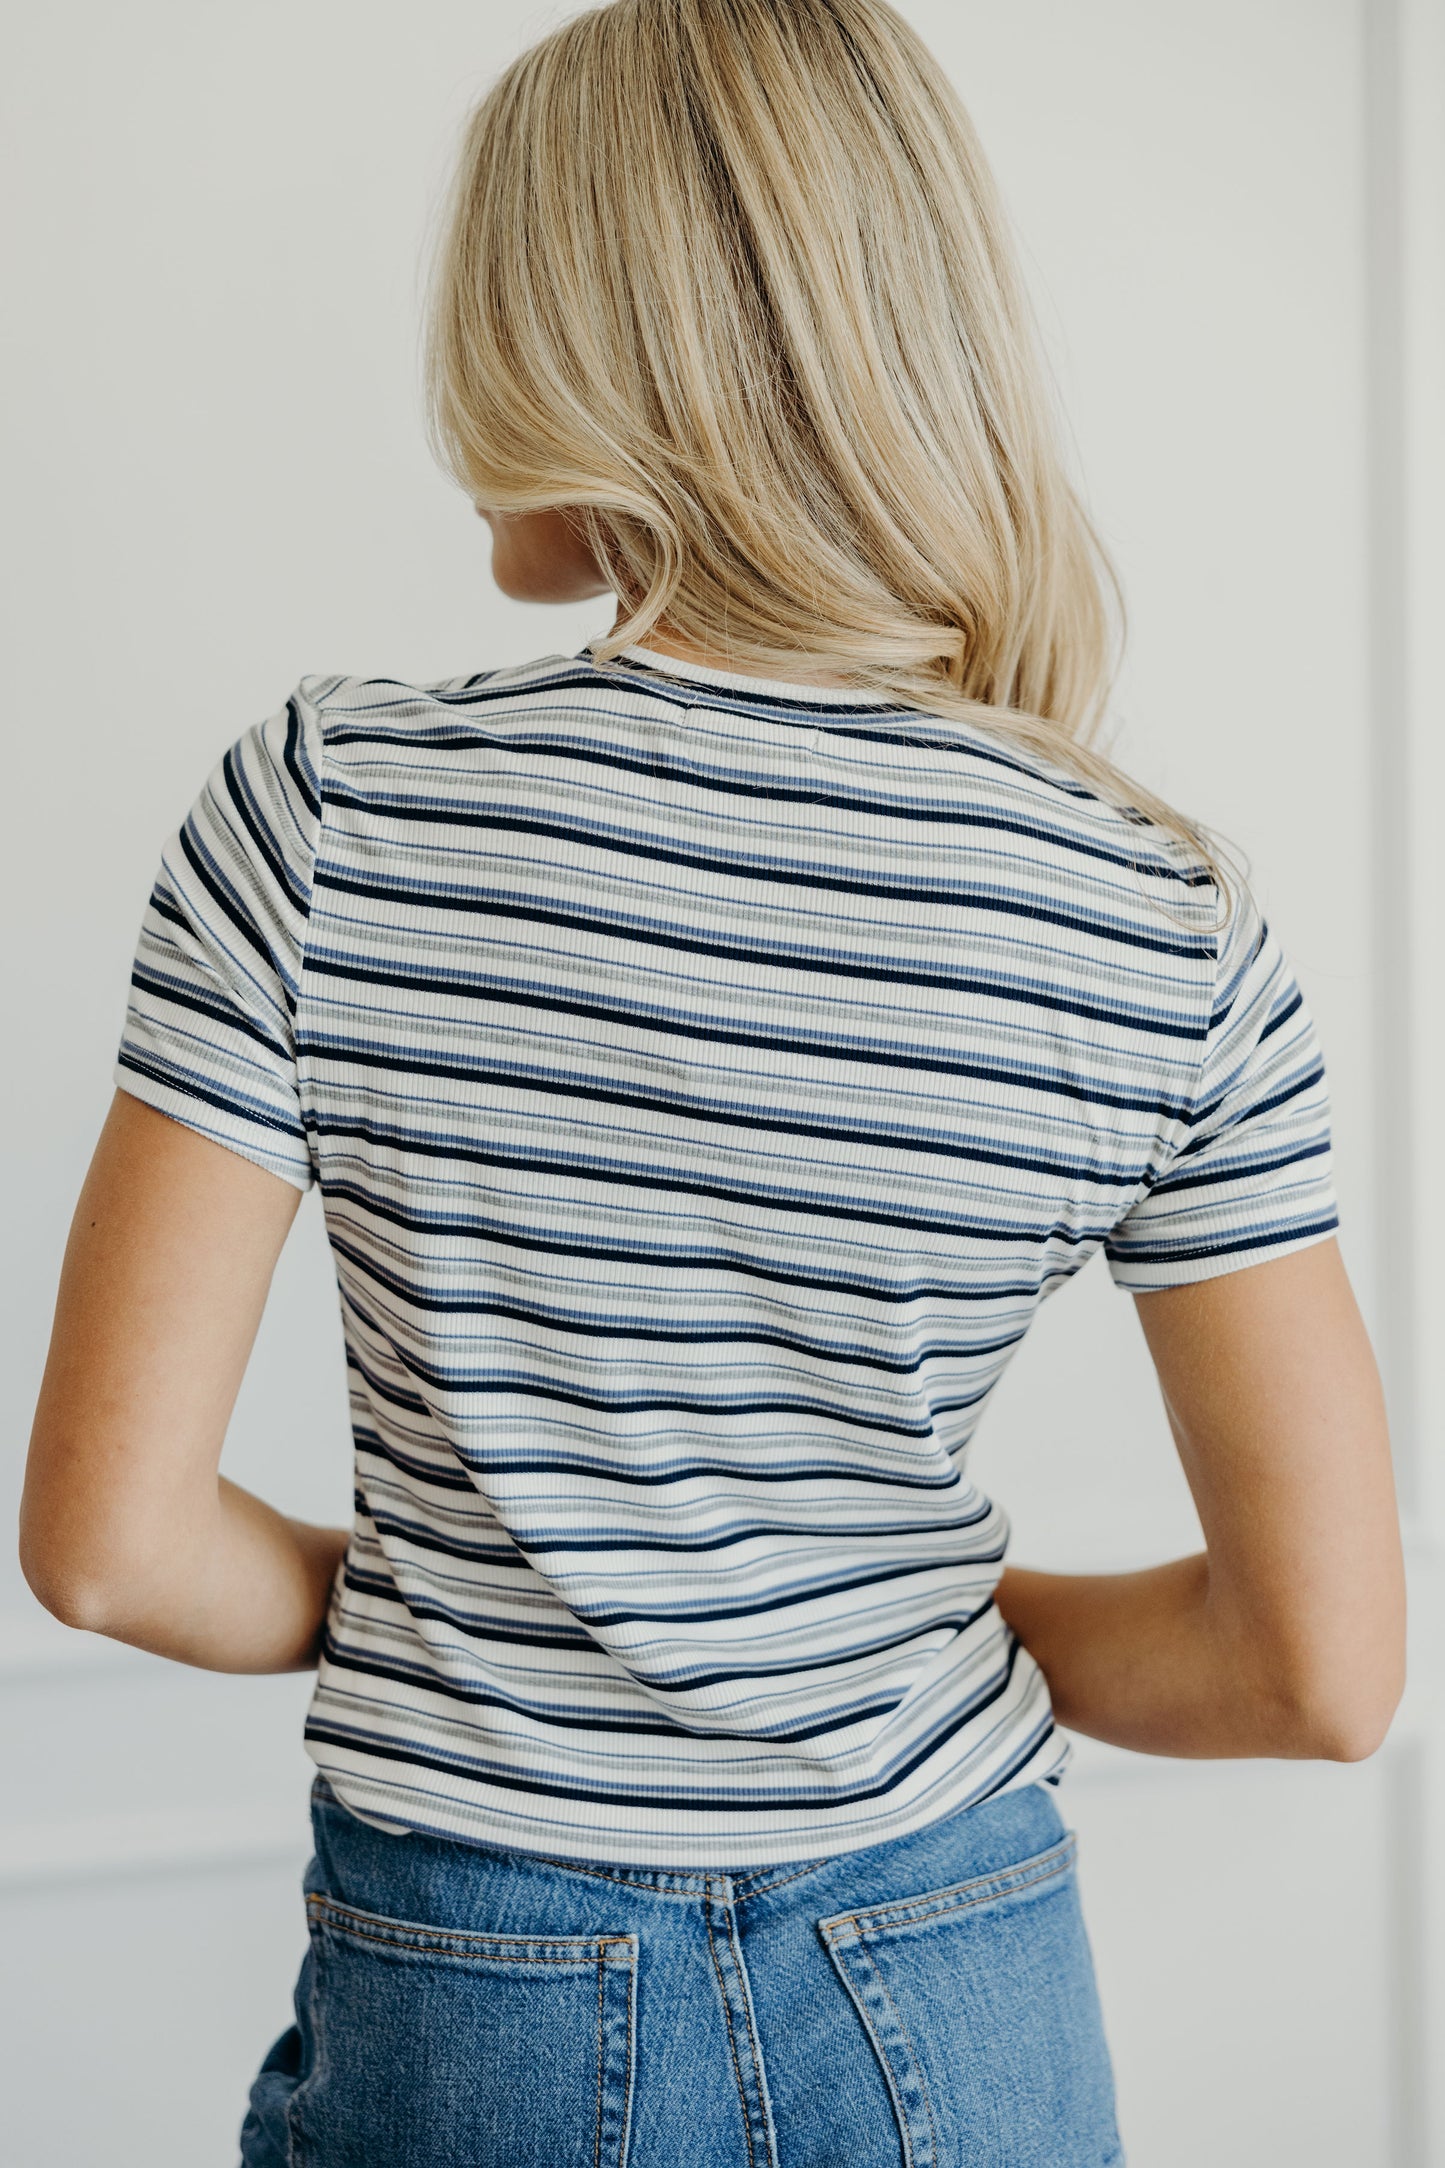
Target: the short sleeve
pixel 210 1029
pixel 1248 1175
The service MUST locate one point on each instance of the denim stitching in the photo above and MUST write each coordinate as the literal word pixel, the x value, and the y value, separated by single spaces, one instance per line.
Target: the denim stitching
pixel 746 2000
pixel 690 1885
pixel 867 1954
pixel 881 1919
pixel 675 1882
pixel 709 1901
pixel 601 2055
pixel 812 1866
pixel 627 2066
pixel 406 1936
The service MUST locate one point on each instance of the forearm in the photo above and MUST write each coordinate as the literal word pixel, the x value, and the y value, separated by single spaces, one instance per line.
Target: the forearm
pixel 232 1585
pixel 1155 1661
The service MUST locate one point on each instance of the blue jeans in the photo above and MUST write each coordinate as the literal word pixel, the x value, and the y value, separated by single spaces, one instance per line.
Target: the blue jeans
pixel 928 2002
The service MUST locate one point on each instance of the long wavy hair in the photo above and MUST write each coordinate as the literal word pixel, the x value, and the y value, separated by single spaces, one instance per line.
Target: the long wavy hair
pixel 730 282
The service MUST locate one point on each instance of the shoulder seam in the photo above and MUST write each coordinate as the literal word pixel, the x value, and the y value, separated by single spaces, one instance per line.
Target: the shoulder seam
pixel 1161 1159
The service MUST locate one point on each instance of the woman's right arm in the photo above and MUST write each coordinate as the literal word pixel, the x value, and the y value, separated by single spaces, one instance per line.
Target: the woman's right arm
pixel 1286 1635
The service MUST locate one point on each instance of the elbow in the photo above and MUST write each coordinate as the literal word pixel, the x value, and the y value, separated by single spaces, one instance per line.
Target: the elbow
pixel 67 1583
pixel 1354 1734
pixel 1323 1683
pixel 76 1601
pixel 1344 1721
pixel 104 1567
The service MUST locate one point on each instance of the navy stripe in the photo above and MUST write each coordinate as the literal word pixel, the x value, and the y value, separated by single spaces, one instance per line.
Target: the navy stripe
pixel 356 1054
pixel 600 836
pixel 766 1193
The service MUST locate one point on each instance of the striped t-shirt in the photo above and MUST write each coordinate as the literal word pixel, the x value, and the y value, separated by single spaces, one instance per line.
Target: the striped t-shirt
pixel 706 1078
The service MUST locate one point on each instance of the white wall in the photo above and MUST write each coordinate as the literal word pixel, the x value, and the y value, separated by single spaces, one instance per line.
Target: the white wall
pixel 214 225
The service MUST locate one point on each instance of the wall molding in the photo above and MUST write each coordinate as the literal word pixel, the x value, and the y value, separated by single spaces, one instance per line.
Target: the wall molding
pixel 1404 237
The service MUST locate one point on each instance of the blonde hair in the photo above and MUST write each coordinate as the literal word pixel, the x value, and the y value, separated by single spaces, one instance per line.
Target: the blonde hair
pixel 730 281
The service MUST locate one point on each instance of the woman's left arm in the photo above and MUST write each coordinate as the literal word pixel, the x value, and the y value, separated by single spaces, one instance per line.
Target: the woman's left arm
pixel 1286 1634
pixel 126 1526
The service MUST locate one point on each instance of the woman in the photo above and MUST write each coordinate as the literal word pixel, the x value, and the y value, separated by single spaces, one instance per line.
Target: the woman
pixel 711 1049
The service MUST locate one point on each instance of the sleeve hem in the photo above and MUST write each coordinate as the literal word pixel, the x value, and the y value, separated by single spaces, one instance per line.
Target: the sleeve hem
pixel 1138 1279
pixel 247 1139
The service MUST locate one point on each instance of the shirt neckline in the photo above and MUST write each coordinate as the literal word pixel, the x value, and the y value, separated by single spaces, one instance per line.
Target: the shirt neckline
pixel 792 690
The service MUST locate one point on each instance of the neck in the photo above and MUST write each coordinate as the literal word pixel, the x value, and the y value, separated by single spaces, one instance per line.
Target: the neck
pixel 663 641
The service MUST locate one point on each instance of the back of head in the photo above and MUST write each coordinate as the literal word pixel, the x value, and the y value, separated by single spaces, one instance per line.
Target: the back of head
pixel 732 279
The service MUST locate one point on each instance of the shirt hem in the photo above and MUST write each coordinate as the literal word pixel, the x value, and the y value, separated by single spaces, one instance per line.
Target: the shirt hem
pixel 721 1847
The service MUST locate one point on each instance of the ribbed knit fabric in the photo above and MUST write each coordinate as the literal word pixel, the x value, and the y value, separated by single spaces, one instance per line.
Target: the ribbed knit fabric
pixel 706 1079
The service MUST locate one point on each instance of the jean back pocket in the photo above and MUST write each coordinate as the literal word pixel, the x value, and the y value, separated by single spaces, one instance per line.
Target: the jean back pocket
pixel 458 2050
pixel 981 2006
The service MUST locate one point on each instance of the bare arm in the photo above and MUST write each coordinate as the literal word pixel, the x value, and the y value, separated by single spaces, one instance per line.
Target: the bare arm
pixel 1286 1635
pixel 126 1526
